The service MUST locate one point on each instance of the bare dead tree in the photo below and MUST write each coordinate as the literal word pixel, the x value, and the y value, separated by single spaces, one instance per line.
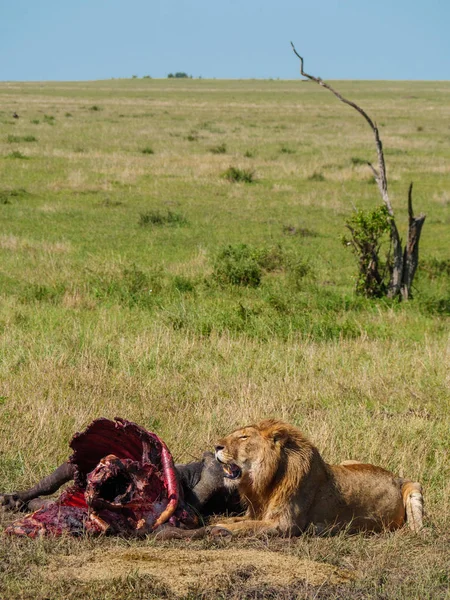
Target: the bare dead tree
pixel 404 261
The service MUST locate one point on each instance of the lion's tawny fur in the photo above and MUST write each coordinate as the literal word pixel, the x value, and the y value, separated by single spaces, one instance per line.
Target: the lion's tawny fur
pixel 288 488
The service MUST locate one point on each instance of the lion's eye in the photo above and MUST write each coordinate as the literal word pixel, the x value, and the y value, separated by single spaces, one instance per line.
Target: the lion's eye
pixel 243 437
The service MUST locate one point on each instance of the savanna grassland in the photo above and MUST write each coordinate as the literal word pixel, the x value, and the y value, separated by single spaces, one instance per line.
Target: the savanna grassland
pixel 137 280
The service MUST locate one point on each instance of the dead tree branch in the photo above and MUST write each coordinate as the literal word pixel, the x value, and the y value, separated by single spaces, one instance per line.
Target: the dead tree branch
pixel 399 281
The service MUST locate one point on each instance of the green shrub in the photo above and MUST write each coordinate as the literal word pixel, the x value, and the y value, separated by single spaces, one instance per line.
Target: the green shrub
pixel 237 265
pixel 130 287
pixel 147 150
pixel 368 229
pixel 95 108
pixel 235 175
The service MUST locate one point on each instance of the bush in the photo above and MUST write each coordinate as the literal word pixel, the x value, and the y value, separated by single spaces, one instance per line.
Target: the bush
pixel 156 217
pixel 130 287
pixel 147 150
pixel 235 175
pixel 237 265
pixel 368 229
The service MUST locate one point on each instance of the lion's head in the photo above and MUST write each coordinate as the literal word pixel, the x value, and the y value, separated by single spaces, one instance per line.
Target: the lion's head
pixel 254 455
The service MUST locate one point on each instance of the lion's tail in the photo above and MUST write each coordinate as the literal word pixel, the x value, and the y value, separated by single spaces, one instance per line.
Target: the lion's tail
pixel 413 503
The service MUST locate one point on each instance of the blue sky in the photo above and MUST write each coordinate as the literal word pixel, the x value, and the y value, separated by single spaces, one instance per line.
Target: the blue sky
pixel 347 39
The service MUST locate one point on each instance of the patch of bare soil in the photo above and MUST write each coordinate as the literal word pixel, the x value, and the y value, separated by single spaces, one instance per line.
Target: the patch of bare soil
pixel 180 570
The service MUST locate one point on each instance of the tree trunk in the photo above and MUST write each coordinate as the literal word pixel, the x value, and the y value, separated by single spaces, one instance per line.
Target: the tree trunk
pixel 411 252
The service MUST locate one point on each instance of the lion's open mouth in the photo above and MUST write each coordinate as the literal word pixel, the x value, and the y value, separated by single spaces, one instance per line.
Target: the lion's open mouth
pixel 231 471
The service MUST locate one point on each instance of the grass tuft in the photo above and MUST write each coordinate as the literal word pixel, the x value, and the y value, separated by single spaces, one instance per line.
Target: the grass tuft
pixel 236 175
pixel 316 177
pixel 12 139
pixel 158 217
pixel 220 149
pixel 17 154
pixel 6 195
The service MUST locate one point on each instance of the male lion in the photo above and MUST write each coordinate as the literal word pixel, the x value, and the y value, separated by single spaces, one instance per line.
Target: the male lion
pixel 288 488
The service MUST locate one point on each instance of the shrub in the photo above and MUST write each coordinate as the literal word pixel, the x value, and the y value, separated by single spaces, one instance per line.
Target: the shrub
pixel 147 150
pixel 49 119
pixel 367 229
pixel 130 287
pixel 95 108
pixel 249 153
pixel 286 150
pixel 35 121
pixel 156 217
pixel 235 175
pixel 237 265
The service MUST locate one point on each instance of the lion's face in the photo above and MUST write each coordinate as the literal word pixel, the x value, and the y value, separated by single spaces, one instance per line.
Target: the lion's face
pixel 246 451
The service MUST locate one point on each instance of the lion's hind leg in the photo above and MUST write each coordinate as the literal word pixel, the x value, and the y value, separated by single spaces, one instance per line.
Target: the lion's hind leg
pixel 413 503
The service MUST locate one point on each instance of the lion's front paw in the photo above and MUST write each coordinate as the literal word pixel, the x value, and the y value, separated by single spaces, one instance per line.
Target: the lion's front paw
pixel 219 531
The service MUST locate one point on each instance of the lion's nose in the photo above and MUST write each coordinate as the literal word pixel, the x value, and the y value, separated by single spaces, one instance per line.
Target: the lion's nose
pixel 219 448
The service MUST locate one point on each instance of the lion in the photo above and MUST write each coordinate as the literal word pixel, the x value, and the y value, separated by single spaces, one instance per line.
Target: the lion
pixel 288 488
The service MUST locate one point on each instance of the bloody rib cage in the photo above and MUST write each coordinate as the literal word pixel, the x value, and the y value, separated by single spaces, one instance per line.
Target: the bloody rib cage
pixel 125 483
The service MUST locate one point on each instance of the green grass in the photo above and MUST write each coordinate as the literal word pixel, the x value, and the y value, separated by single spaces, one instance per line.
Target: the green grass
pixel 109 307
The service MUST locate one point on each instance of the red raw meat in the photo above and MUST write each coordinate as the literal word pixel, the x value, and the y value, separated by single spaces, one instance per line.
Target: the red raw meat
pixel 125 483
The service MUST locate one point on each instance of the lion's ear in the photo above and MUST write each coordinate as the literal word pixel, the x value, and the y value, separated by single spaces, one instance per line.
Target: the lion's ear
pixel 278 432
